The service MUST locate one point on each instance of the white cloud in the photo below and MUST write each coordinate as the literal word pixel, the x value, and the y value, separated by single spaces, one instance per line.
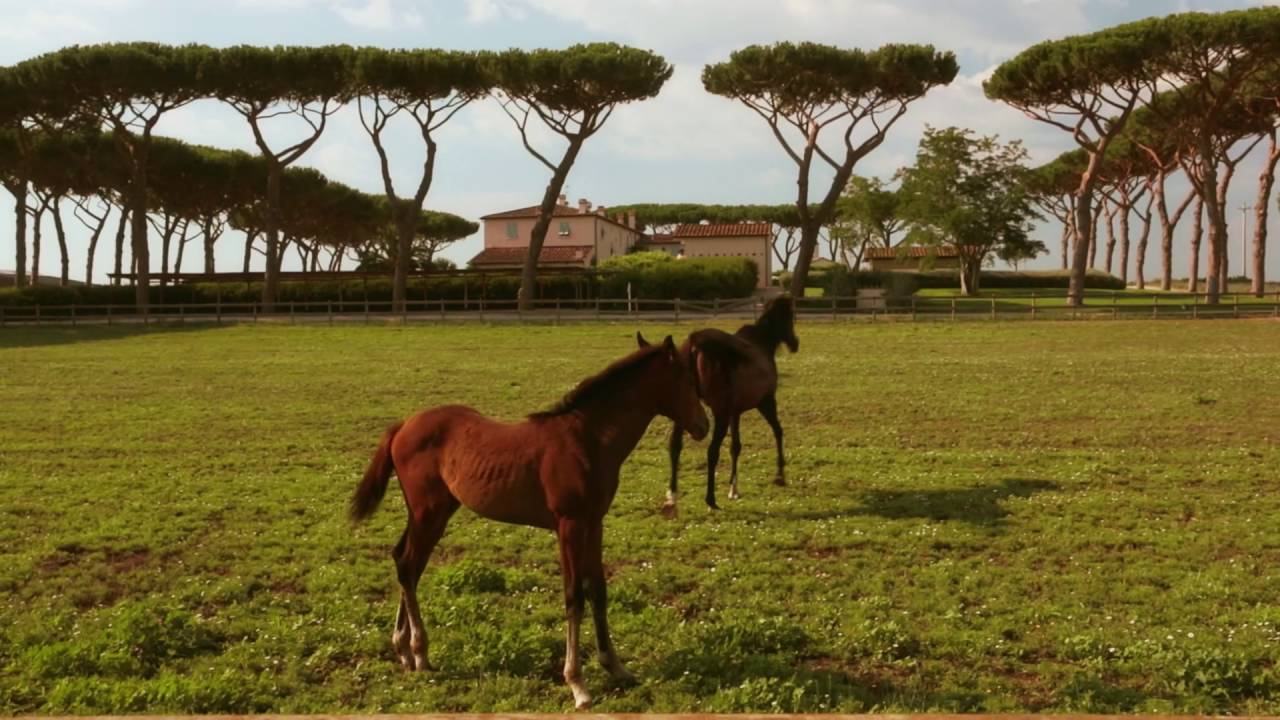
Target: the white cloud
pixel 372 15
pixel 484 11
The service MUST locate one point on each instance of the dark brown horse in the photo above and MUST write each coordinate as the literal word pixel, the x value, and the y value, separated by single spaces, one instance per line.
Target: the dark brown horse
pixel 737 373
pixel 556 470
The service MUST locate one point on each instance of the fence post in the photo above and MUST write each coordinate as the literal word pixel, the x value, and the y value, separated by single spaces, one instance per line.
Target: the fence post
pixel 255 313
pixel 292 319
pixel 108 314
pixel 1277 307
pixel 329 305
pixel 715 308
pixel 953 309
pixel 2 314
pixel 37 316
pixel 73 316
pixel 442 317
pixel 1115 308
pixel 676 308
pixel 913 308
pixel 482 306
pixel 1155 306
pixel 217 309
pixel 993 307
pixel 557 309
pixel 597 307
pixel 833 309
pixel 1195 306
pixel 1033 306
pixel 1235 311
pixel 404 312
pixel 182 314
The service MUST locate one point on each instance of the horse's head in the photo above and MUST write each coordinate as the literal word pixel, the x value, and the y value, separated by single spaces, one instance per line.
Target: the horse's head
pixel 779 319
pixel 680 403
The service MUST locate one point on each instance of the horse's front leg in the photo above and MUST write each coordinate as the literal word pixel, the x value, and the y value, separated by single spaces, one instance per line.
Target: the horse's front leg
pixel 713 457
pixel 573 545
pixel 735 449
pixel 597 589
pixel 674 446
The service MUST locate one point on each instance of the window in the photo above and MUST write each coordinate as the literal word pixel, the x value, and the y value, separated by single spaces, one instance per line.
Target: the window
pixel 512 231
pixel 564 227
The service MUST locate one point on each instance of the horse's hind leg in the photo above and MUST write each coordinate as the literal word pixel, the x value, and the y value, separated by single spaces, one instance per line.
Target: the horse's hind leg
pixel 735 449
pixel 713 458
pixel 769 409
pixel 574 539
pixel 400 635
pixel 674 446
pixel 598 593
pixel 426 527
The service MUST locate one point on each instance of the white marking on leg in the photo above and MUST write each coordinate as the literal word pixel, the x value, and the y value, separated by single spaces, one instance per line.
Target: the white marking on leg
pixel 572 666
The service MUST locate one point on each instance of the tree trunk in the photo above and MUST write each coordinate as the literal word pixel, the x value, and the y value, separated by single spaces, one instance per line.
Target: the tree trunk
pixel 120 226
pixel 271 279
pixel 93 246
pixel 1166 233
pixel 20 193
pixel 1197 233
pixel 1266 182
pixel 64 269
pixel 405 226
pixel 1080 254
pixel 1111 237
pixel 138 236
pixel 209 239
pixel 808 243
pixel 970 276
pixel 529 275
pixel 1140 264
pixel 1066 242
pixel 248 248
pixel 1124 246
pixel 36 221
pixel 182 247
pixel 1215 214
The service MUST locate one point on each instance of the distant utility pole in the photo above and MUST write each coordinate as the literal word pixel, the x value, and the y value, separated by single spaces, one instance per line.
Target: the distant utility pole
pixel 1244 239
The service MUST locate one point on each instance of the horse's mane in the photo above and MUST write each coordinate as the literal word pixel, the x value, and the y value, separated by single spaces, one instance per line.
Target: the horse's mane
pixel 773 326
pixel 605 382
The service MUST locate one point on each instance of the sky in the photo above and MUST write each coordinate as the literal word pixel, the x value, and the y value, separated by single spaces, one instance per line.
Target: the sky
pixel 685 145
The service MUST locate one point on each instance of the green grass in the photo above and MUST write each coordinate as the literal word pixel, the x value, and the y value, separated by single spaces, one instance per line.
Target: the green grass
pixel 1019 517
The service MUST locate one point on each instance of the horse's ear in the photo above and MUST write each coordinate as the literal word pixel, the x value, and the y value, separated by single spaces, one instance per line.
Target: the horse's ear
pixel 641 341
pixel 669 345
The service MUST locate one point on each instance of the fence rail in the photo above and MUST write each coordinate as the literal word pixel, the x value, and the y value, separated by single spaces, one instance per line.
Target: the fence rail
pixel 1029 306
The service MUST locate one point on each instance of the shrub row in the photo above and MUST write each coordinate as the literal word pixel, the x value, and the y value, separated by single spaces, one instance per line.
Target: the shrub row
pixel 658 276
pixel 839 280
pixel 693 279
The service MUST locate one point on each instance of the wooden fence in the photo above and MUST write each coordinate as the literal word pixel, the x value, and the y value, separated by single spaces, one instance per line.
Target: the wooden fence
pixel 1030 306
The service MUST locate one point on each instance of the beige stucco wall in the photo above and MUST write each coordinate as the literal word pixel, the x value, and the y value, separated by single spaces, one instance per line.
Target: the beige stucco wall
pixel 610 239
pixel 755 248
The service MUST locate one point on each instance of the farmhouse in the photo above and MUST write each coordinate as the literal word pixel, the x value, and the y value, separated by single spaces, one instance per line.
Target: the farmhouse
pixel 579 237
pixel 582 237
pixel 749 240
pixel 913 257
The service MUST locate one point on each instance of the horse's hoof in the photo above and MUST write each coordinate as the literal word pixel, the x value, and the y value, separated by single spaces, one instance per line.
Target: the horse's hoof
pixel 735 495
pixel 581 699
pixel 624 678
pixel 779 480
pixel 669 511
pixel 712 504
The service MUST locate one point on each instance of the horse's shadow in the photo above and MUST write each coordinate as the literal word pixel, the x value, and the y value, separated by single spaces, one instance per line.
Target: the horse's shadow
pixel 980 506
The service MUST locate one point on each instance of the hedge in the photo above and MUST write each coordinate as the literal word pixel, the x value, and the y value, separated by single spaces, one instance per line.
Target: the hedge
pixel 692 279
pixel 658 276
pixel 842 281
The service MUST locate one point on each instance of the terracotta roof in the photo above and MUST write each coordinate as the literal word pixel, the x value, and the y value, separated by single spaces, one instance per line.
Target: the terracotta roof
pixel 724 230
pixel 914 251
pixel 528 212
pixel 551 255
pixel 559 211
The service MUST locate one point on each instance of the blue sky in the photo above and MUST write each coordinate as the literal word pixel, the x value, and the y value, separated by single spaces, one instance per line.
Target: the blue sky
pixel 683 146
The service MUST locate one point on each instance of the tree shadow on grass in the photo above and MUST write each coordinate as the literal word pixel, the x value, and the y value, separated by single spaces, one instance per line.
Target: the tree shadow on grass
pixel 32 336
pixel 983 505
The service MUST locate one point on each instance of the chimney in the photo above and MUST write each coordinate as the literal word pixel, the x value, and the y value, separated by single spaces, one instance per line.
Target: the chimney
pixel 631 219
pixel 600 211
pixel 620 218
pixel 563 201
pixel 584 206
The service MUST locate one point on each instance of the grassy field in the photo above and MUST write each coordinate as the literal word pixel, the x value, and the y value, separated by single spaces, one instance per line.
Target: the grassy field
pixel 982 517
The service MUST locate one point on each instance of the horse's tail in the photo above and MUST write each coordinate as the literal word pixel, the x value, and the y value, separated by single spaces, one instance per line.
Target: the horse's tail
pixel 374 485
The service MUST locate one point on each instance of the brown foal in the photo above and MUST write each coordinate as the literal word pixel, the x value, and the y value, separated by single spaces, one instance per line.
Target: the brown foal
pixel 736 373
pixel 556 470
